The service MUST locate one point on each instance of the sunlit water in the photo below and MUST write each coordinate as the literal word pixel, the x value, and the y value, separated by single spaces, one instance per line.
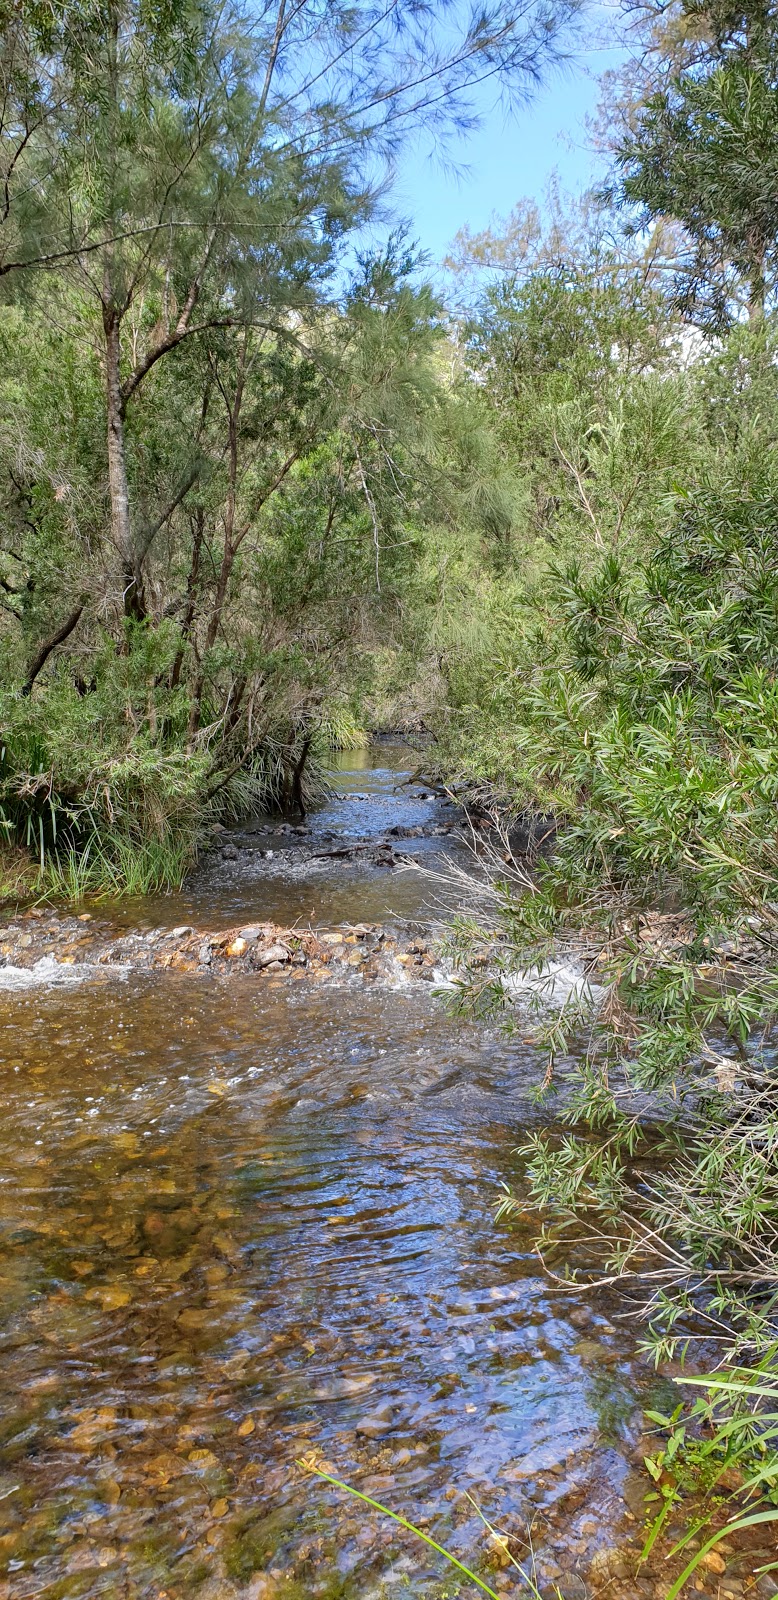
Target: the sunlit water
pixel 245 1222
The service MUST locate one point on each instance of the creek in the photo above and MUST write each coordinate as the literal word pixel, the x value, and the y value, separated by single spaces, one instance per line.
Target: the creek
pixel 249 1221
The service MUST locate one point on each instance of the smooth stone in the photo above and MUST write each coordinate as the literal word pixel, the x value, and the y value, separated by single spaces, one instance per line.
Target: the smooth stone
pixel 608 1563
pixel 378 1422
pixel 275 953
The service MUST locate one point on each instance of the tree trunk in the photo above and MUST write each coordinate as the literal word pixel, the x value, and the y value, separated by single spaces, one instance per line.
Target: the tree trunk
pixel 214 622
pixel 230 547
pixel 198 535
pixel 756 300
pixel 121 530
pixel 298 797
pixel 758 285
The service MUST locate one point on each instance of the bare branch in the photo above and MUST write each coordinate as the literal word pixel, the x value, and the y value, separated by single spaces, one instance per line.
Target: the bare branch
pixel 42 655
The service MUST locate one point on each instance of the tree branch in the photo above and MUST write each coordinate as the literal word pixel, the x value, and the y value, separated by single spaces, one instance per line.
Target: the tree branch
pixel 42 655
pixel 152 529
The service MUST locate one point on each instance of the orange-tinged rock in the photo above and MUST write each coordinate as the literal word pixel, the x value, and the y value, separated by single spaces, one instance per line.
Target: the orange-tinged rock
pixel 92 1426
pixel 165 1466
pixel 110 1296
pixel 225 1244
pixel 713 1562
pixel 182 963
pixel 192 1318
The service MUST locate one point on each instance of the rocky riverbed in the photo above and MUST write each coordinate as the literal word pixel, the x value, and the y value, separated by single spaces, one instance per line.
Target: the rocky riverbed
pixel 46 947
pixel 247 1229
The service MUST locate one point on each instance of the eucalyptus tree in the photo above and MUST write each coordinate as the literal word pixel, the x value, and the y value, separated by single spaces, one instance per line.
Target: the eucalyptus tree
pixel 321 480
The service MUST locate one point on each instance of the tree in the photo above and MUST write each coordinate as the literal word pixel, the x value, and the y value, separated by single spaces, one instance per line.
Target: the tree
pixel 565 341
pixel 701 149
pixel 193 168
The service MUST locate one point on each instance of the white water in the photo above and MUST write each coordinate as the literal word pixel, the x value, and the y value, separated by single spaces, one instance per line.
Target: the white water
pixel 49 972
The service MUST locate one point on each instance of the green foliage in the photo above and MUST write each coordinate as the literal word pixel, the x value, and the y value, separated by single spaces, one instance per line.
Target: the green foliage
pixel 226 492
pixel 622 678
pixel 276 597
pixel 656 732
pixel 702 150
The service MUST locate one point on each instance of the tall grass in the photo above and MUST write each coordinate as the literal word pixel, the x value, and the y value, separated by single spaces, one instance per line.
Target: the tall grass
pixel 340 729
pixel 115 866
pixel 95 819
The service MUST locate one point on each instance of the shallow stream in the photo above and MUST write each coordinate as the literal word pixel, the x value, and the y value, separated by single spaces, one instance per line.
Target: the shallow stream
pixel 247 1222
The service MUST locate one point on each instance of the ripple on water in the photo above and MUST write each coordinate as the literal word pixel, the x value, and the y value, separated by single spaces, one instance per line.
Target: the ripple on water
pixel 247 1224
pixel 243 1226
pixel 299 881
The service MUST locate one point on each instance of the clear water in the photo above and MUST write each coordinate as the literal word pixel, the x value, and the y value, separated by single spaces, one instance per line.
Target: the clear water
pixel 302 881
pixel 248 1222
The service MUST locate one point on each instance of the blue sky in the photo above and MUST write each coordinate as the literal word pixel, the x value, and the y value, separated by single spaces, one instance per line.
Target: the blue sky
pixel 509 157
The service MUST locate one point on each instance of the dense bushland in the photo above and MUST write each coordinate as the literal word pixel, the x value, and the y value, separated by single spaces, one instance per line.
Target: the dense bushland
pixel 232 465
pixel 260 487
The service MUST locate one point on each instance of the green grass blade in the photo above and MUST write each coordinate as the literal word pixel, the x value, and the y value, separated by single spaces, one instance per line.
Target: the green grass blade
pixel 656 1528
pixel 732 1386
pixel 729 1528
pixel 377 1506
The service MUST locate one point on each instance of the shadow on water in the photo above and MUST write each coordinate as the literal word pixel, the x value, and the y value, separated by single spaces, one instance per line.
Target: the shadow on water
pixel 245 1223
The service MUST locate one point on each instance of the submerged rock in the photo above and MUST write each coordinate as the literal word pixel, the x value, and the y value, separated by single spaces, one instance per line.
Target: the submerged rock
pixel 377 1423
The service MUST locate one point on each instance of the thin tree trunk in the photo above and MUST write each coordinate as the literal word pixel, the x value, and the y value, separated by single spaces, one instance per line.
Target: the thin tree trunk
pixel 756 301
pixel 298 798
pixel 230 548
pixel 121 530
pixel 191 594
pixel 214 623
pixel 757 286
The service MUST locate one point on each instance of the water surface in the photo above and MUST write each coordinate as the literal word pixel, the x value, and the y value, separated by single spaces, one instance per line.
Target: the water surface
pixel 249 1222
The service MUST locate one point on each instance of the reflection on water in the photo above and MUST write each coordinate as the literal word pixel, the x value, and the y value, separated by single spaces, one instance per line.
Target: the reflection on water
pixel 239 1229
pixel 247 1223
pixel 382 756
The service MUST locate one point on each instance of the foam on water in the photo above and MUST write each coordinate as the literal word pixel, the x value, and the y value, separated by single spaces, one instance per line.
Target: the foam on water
pixel 48 971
